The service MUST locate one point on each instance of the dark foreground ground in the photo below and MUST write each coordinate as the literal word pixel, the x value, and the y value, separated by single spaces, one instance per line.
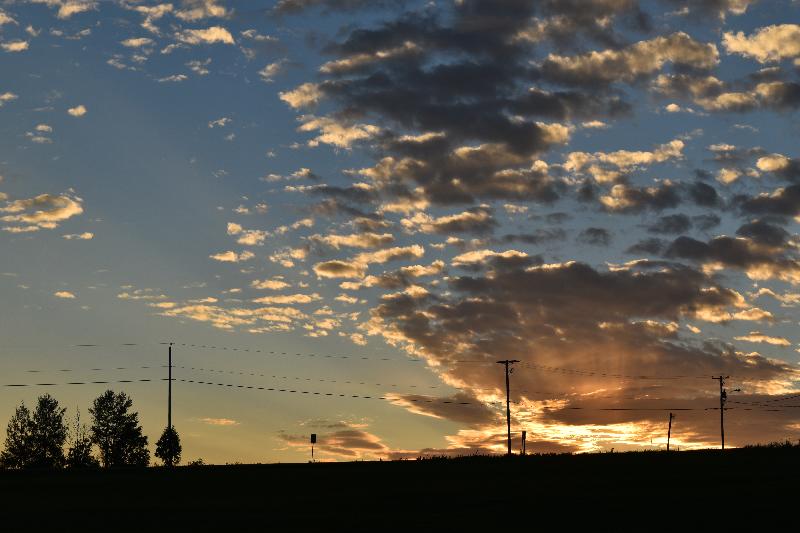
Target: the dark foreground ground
pixel 605 492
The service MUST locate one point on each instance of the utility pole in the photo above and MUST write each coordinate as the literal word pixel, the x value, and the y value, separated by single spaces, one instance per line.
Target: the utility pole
pixel 169 389
pixel 723 397
pixel 669 431
pixel 524 439
pixel 508 362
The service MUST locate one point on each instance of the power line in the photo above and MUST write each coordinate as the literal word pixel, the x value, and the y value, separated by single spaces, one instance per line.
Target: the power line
pixel 297 378
pixel 275 353
pixel 19 385
pixel 318 393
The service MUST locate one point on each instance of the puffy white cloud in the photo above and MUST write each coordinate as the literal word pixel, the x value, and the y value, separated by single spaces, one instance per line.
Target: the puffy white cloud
pixel 232 257
pixel 335 132
pixel 137 42
pixel 768 44
pixel 14 46
pixel 7 97
pixel 634 61
pixel 212 35
pixel 45 211
pixel 289 299
pixel 305 95
pixel 86 236
pixel 77 111
pixel 357 266
pixel 271 70
pixel 65 295
pixel 195 10
pixel 758 337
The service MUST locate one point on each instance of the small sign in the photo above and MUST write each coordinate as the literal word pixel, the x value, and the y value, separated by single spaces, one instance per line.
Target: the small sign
pixel 313 438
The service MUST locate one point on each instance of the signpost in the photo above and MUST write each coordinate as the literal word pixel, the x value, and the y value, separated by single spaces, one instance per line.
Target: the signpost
pixel 313 442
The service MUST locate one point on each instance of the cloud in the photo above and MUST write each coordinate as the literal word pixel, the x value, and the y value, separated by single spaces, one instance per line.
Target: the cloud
pixel 5 18
pixel 77 111
pixel 232 257
pixel 274 284
pixel 478 220
pixel 626 65
pixel 351 443
pixel 194 10
pixel 86 236
pixel 7 97
pixel 174 78
pixel 14 46
pixel 212 35
pixel 769 44
pixel 757 337
pixel 66 295
pixel 225 422
pixel 271 70
pixel 137 42
pixel 354 240
pixel 45 211
pixel 357 266
pixel 289 299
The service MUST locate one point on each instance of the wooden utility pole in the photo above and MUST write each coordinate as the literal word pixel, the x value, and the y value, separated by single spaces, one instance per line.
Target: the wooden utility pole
pixel 723 397
pixel 524 441
pixel 169 389
pixel 669 431
pixel 508 362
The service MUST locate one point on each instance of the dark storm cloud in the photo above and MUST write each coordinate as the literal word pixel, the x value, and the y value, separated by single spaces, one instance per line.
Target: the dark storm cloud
pixel 595 236
pixel 456 96
pixel 755 252
pixel 631 199
pixel 783 202
pixel 538 236
pixel 706 222
pixel 678 223
pixel 739 96
pixel 574 316
pixel 712 7
pixel 286 7
pixel 703 194
pixel 652 246
pixel 763 232
pixel 459 408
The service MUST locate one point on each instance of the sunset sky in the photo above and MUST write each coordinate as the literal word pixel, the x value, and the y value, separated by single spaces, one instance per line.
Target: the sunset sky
pixel 382 198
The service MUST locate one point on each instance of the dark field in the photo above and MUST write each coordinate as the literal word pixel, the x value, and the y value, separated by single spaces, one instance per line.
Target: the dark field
pixel 621 491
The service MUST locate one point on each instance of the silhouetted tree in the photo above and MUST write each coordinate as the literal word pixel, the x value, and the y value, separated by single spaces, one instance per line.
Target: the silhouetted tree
pixel 79 452
pixel 36 440
pixel 168 447
pixel 117 432
pixel 18 446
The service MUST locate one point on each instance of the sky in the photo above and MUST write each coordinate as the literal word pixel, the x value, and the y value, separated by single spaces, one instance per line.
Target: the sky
pixel 345 212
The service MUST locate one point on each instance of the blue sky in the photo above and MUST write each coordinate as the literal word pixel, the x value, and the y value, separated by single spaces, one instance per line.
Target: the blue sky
pixel 420 182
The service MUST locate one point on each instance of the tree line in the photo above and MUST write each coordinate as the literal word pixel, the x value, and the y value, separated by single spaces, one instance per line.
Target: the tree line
pixel 44 438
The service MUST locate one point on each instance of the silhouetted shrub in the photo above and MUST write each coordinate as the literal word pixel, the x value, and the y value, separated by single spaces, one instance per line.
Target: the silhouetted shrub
pixel 168 447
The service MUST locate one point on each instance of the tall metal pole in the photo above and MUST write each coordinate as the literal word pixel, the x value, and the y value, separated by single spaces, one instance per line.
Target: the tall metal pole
pixel 722 398
pixel 508 399
pixel 669 431
pixel 169 394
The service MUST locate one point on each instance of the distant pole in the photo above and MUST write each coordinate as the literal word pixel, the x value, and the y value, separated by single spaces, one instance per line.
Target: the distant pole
pixel 313 442
pixel 723 396
pixel 508 362
pixel 669 431
pixel 524 438
pixel 169 389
